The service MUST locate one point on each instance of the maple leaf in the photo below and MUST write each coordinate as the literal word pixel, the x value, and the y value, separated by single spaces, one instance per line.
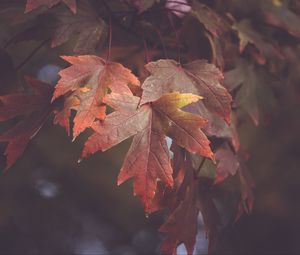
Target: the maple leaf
pixel 248 35
pixel 36 107
pixel 246 186
pixel 183 127
pixel 181 225
pixel 148 159
pixel 166 197
pixel 279 15
pixel 197 77
pixel 217 54
pixel 228 163
pixel 33 4
pixel 216 126
pixel 253 90
pixel 211 218
pixel 62 115
pixel 84 85
pixel 212 22
pixel 86 25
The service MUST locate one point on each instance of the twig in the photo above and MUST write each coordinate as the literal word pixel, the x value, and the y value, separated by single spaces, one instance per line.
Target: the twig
pixel 200 166
pixel 146 52
pixel 19 66
pixel 10 41
pixel 176 34
pixel 118 23
pixel 162 42
pixel 109 40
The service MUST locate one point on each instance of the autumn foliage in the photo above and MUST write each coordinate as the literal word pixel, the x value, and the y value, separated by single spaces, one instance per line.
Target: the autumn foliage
pixel 192 71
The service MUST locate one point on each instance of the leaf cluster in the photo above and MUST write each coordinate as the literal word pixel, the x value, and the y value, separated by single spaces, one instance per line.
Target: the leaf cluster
pixel 189 71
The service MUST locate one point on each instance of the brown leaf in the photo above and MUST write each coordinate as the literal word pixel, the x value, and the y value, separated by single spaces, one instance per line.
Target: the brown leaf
pixel 254 95
pixel 181 225
pixel 228 163
pixel 184 127
pixel 281 16
pixel 216 127
pixel 36 107
pixel 88 80
pixel 197 77
pixel 86 25
pixel 148 159
pixel 248 35
pixel 213 23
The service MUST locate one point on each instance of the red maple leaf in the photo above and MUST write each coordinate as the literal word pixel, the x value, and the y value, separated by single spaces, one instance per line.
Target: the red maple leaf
pixel 148 159
pixel 88 28
pixel 247 35
pixel 213 23
pixel 36 107
pixel 253 95
pixel 197 77
pixel 228 163
pixel 84 85
pixel 166 197
pixel 216 126
pixel 181 225
pixel 281 15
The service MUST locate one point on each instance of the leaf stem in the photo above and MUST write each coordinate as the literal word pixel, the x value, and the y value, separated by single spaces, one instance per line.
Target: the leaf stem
pixel 109 39
pixel 176 34
pixel 200 166
pixel 162 42
pixel 10 41
pixel 118 23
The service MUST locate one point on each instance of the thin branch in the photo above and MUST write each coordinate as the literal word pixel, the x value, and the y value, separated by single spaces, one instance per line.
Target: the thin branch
pixel 19 66
pixel 10 41
pixel 118 23
pixel 109 40
pixel 200 166
pixel 146 52
pixel 176 34
pixel 162 42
